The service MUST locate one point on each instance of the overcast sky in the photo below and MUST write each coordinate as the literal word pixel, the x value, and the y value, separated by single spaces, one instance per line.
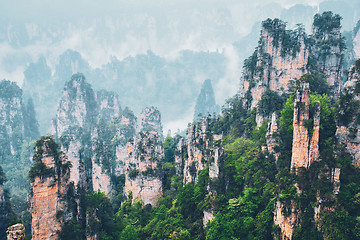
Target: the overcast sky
pixel 64 9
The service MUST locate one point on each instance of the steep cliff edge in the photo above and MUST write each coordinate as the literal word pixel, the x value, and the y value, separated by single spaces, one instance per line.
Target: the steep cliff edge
pixel 82 126
pixel 77 109
pixel 305 147
pixel 348 129
pixel 142 157
pixel 102 141
pixel 49 178
pixel 18 130
pixel 17 119
pixel 328 49
pixel 205 103
pixel 283 56
pixel 200 148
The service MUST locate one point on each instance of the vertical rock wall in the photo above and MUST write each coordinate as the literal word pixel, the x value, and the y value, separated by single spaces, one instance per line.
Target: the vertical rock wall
pixel 286 223
pixel 300 147
pixel 349 134
pixel 77 109
pixel 305 148
pixel 274 65
pixel 46 202
pixel 330 58
pixel 199 149
pixel 140 158
pixel 270 135
pixel 314 152
pixel 285 55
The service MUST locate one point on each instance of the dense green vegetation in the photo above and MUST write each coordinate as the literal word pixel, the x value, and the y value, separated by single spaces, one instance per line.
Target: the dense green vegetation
pixel 252 180
pixel 46 146
pixel 250 184
pixel 7 215
pixel 289 40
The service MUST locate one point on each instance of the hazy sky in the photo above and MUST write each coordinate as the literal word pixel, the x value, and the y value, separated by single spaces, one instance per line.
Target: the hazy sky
pixel 100 29
pixel 65 9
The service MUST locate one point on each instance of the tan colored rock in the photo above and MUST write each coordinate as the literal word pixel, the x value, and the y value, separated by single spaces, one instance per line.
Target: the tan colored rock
pixel 349 135
pixel 147 189
pixel 277 70
pixel 305 148
pixel 138 157
pixel 286 223
pixel 16 232
pixel 270 138
pixel 46 200
pixel 314 152
pixel 201 149
pixel 300 147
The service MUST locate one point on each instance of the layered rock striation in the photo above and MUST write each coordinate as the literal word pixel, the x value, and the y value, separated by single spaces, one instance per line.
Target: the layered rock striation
pixel 283 56
pixel 49 182
pixel 348 124
pixel 140 158
pixel 200 148
pixel 17 119
pixel 82 126
pixel 305 147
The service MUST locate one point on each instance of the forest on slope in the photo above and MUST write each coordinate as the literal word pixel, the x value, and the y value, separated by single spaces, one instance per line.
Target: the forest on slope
pixel 252 180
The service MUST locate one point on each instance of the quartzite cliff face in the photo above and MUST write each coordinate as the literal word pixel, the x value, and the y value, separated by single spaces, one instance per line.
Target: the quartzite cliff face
pixel 50 181
pixel 102 141
pixel 200 148
pixel 140 157
pixel 81 125
pixel 305 148
pixel 283 56
pixel 348 129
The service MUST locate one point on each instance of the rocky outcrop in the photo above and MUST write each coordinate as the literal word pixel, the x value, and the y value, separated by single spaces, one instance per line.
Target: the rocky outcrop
pixel 356 42
pixel 101 171
pixel 200 148
pixel 109 106
pixel 287 222
pixel 274 62
pixel 270 135
pixel 305 150
pixel 283 56
pixel 140 158
pixel 348 129
pixel 18 126
pixel 328 49
pixel 77 106
pixel 16 232
pixel 76 109
pixel 82 126
pixel 205 103
pixel 305 147
pixel 50 179
pixel 46 88
pixel 11 117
